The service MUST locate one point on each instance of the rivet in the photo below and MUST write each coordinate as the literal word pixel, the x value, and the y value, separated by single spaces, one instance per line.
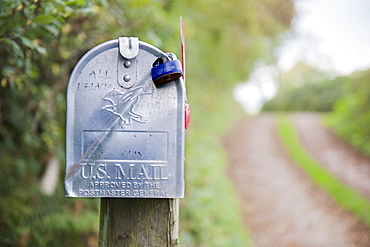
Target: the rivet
pixel 127 64
pixel 126 78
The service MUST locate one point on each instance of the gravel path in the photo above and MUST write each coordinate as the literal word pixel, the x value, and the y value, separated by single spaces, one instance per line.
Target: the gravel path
pixel 280 204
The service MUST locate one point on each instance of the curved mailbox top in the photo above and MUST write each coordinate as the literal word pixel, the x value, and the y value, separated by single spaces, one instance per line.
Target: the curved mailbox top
pixel 125 135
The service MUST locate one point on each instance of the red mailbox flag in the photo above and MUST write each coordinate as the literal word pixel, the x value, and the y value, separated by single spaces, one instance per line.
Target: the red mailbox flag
pixel 182 47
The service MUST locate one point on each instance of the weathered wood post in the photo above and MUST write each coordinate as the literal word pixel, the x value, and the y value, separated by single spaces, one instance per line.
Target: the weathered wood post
pixel 125 140
pixel 139 222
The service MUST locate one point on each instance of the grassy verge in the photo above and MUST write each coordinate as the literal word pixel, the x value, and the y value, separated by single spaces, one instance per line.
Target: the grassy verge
pixel 344 196
pixel 210 213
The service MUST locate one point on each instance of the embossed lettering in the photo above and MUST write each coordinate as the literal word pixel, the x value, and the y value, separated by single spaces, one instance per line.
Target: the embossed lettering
pixel 120 172
pixel 131 172
pixel 83 165
pixel 107 171
pixel 160 175
pixel 143 173
pixel 89 86
pixel 101 172
pixel 99 74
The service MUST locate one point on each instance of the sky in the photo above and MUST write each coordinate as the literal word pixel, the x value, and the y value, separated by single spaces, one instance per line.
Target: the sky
pixel 332 36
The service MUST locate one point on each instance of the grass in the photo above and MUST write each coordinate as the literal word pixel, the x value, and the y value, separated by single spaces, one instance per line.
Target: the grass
pixel 343 195
pixel 210 213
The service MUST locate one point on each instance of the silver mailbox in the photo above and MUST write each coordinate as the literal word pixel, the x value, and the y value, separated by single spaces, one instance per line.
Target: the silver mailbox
pixel 125 135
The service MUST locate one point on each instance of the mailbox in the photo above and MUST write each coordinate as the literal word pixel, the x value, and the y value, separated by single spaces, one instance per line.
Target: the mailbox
pixel 125 133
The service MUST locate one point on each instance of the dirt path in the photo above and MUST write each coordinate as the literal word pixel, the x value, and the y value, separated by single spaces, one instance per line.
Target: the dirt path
pixel 280 204
pixel 333 153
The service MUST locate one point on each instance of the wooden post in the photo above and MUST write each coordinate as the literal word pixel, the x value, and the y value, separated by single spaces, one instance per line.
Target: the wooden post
pixel 138 222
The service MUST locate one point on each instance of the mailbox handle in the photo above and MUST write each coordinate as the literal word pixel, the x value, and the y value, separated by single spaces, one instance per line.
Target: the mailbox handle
pixel 128 47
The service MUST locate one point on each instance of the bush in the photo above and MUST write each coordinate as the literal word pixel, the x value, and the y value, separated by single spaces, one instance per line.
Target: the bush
pixel 351 117
pixel 306 89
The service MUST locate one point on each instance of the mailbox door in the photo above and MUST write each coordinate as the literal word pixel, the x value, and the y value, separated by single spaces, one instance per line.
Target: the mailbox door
pixel 125 135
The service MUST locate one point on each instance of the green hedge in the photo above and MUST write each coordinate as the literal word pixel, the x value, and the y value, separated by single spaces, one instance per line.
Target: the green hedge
pixel 351 116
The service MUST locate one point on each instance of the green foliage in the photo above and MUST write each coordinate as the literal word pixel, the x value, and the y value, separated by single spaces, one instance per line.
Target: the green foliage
pixel 235 33
pixel 305 89
pixel 209 213
pixel 346 197
pixel 32 124
pixel 40 42
pixel 351 117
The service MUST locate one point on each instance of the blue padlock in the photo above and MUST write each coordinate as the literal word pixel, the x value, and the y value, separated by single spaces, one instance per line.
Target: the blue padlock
pixel 166 72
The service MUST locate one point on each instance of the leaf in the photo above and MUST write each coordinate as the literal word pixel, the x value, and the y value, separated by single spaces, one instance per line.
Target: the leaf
pixel 104 3
pixel 76 2
pixel 52 29
pixel 16 49
pixel 86 10
pixel 44 19
pixel 40 49
pixel 27 42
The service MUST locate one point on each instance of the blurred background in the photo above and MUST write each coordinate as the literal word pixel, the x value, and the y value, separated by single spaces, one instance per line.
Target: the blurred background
pixel 267 54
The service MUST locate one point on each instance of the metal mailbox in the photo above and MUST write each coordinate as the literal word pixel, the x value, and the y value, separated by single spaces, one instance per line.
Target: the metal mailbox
pixel 125 134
